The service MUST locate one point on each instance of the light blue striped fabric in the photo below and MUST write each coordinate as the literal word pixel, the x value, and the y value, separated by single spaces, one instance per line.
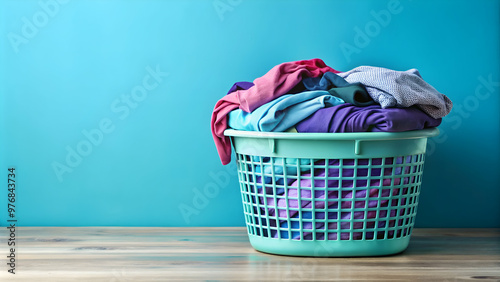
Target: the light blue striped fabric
pixel 392 88
pixel 283 112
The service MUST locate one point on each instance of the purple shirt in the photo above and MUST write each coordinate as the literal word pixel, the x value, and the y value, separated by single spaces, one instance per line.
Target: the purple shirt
pixel 350 118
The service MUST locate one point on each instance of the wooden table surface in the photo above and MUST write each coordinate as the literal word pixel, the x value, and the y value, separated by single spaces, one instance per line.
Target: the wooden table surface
pixel 204 254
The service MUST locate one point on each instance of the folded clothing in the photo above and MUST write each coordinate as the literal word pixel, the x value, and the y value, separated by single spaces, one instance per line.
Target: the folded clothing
pixel 283 112
pixel 392 88
pixel 275 83
pixel 350 118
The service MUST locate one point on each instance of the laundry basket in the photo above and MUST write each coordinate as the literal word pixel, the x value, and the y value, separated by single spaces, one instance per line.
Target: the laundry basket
pixel 330 194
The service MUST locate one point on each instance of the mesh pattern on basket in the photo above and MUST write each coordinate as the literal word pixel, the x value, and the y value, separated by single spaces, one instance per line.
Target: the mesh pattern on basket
pixel 330 199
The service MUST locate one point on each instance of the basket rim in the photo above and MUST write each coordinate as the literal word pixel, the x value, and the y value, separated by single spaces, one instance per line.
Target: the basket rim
pixel 414 134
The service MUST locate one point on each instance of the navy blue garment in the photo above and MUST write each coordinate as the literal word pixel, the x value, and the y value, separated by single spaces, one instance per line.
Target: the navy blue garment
pixel 353 93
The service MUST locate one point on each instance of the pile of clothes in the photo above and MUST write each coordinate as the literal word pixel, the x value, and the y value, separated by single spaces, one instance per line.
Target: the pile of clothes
pixel 309 96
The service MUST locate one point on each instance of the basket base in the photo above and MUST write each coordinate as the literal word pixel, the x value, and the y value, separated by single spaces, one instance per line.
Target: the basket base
pixel 329 248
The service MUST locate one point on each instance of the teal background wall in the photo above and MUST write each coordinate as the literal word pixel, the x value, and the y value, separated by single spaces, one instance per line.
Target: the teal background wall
pixel 129 86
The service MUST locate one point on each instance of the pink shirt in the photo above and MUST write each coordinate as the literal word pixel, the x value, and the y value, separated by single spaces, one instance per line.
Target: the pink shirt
pixel 278 81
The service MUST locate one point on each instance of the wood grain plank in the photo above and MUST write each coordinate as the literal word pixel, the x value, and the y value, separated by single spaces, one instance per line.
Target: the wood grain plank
pixel 203 254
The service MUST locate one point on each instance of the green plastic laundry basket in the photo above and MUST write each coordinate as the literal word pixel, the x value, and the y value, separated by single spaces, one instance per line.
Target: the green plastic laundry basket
pixel 330 194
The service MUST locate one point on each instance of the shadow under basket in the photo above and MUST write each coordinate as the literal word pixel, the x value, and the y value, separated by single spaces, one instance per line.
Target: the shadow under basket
pixel 330 194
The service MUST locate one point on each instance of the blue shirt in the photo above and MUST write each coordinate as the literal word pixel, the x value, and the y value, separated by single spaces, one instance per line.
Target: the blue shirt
pixel 283 112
